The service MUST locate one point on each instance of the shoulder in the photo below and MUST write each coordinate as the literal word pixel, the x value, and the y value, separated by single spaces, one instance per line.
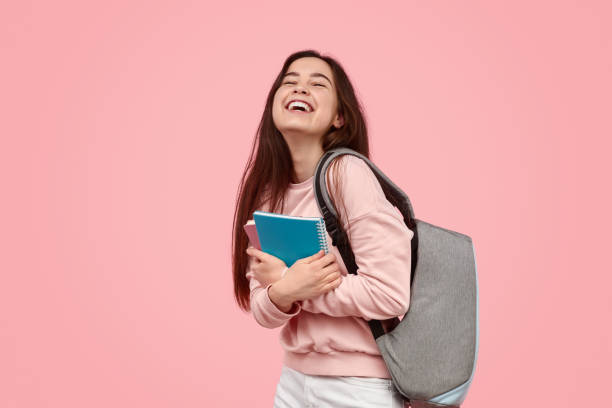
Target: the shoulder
pixel 355 172
pixel 354 167
pixel 359 188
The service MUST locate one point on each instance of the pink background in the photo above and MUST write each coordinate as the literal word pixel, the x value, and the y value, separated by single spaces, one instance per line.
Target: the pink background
pixel 125 128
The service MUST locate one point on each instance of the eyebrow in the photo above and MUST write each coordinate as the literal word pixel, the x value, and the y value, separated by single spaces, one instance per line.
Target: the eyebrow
pixel 314 74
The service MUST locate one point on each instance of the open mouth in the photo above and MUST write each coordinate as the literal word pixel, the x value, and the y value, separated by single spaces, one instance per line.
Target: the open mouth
pixel 298 110
pixel 296 106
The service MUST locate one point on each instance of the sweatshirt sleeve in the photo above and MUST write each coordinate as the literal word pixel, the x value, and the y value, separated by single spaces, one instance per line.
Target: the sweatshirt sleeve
pixel 264 311
pixel 380 241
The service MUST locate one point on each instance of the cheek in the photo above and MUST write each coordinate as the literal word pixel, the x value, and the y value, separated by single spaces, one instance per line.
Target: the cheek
pixel 276 109
pixel 327 107
pixel 325 114
pixel 277 104
pixel 279 96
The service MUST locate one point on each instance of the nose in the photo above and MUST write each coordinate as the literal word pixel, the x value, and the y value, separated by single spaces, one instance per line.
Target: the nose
pixel 300 88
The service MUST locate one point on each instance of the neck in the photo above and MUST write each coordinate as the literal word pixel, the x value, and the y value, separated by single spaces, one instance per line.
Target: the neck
pixel 305 157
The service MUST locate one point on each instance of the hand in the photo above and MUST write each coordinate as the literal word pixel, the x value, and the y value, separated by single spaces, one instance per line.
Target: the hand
pixel 267 268
pixel 311 276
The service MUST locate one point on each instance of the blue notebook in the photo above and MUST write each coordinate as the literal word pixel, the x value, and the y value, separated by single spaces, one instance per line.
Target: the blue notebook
pixel 290 237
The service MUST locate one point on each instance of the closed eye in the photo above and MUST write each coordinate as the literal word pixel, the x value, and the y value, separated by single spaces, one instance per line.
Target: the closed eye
pixel 289 82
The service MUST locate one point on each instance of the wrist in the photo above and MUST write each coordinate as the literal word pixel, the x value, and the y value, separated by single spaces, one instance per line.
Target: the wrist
pixel 280 297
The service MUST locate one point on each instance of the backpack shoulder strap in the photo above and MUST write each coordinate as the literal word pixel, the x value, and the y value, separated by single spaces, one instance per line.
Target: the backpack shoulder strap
pixel 339 237
pixel 393 193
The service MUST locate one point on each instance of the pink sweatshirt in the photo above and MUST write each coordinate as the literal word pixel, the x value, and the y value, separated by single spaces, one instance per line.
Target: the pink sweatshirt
pixel 329 334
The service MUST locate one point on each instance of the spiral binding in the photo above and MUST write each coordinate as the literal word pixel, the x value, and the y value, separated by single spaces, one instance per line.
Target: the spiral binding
pixel 322 237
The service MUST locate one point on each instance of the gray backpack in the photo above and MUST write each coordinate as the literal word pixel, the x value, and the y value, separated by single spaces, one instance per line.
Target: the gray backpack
pixel 431 352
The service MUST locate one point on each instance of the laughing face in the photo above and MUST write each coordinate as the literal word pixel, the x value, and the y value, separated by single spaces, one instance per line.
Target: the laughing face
pixel 306 104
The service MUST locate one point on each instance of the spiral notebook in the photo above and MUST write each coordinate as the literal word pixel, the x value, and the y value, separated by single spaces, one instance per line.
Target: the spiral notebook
pixel 290 237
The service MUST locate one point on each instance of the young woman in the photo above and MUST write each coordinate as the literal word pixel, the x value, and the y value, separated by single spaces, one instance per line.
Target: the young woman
pixel 331 358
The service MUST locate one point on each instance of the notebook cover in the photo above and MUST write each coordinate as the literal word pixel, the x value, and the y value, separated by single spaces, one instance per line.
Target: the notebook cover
pixel 251 231
pixel 290 237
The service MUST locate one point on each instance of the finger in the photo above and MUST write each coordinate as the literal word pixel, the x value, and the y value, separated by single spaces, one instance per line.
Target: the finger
pixel 313 257
pixel 329 269
pixel 329 280
pixel 324 261
pixel 333 285
pixel 260 255
pixel 256 260
pixel 332 276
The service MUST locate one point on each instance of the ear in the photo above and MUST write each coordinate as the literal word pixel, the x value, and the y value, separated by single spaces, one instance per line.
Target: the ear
pixel 339 121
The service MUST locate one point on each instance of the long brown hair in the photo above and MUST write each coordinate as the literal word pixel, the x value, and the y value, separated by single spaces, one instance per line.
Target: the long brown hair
pixel 269 168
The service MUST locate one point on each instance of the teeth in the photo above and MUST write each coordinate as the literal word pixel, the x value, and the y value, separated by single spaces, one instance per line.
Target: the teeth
pixel 299 103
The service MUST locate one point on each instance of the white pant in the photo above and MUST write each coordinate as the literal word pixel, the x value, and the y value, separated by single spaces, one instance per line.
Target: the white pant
pixel 298 390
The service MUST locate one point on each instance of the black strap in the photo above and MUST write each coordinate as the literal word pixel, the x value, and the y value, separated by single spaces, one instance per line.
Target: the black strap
pixel 339 236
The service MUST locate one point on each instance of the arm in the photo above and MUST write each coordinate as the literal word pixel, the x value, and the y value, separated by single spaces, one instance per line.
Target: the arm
pixel 263 300
pixel 381 243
